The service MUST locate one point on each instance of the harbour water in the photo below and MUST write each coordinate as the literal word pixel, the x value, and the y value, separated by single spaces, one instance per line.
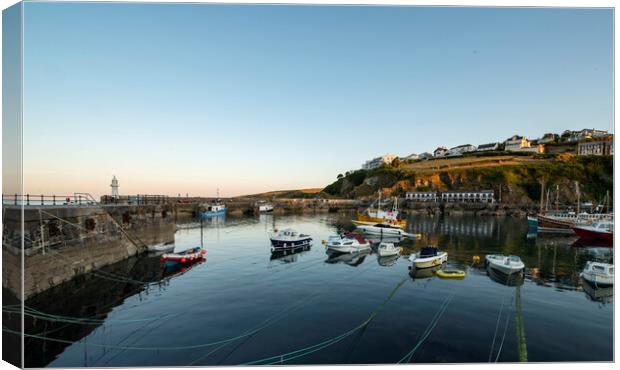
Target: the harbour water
pixel 243 305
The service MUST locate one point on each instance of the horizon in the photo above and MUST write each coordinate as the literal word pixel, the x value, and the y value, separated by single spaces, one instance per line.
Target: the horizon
pixel 258 98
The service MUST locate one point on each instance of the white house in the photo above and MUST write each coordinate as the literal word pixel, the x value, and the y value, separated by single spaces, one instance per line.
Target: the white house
pixel 379 161
pixel 488 147
pixel 440 152
pixel 410 157
pixel 516 143
pixel 460 150
pixel 421 196
pixel 482 196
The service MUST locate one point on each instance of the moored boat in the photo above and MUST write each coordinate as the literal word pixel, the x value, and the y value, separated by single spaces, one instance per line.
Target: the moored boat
pixel 217 208
pixel 264 206
pixel 387 249
pixel 601 230
pixel 378 215
pixel 428 257
pixel 288 238
pixel 163 247
pixel 189 256
pixel 505 264
pixel 598 273
pixel 381 229
pixel 347 243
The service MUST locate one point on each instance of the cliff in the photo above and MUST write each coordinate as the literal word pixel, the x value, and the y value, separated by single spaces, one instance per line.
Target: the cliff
pixel 517 177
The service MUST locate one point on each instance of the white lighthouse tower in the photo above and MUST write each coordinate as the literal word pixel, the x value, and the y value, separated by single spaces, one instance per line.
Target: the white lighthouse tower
pixel 114 187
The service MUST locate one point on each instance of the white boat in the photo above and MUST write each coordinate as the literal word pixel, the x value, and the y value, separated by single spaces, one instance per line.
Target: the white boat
pixel 505 264
pixel 347 243
pixel 381 229
pixel 264 207
pixel 387 249
pixel 287 239
pixel 598 273
pixel 161 247
pixel 428 257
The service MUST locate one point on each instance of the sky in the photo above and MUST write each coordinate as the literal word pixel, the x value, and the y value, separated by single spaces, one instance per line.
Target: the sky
pixel 189 98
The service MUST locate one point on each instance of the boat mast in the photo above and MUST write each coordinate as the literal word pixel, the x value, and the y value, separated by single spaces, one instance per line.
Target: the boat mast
pixel 542 193
pixel 557 197
pixel 578 197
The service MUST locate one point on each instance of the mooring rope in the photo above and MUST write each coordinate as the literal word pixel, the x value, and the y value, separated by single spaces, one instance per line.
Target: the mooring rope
pixel 281 358
pixel 429 329
pixel 496 327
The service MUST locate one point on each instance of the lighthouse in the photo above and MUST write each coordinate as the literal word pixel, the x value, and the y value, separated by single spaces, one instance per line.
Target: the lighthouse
pixel 114 187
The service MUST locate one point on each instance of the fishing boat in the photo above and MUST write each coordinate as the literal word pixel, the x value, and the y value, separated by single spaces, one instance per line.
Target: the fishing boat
pixel 428 257
pixel 347 243
pixel 217 208
pixel 387 249
pixel 601 230
pixel 377 215
pixel 505 264
pixel 186 257
pixel 381 229
pixel 264 206
pixel 598 273
pixel 532 221
pixel 162 247
pixel 287 239
pixel 450 274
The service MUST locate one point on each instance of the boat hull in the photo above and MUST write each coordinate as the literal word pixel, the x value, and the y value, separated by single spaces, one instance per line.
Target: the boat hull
pixel 552 225
pixel 220 212
pixel 426 262
pixel 591 234
pixel 380 230
pixel 597 280
pixel 366 219
pixel 348 248
pixel 278 244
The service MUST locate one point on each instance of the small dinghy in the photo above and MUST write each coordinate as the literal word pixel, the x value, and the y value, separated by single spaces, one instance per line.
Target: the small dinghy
pixel 450 274
pixel 347 243
pixel 505 264
pixel 387 249
pixel 288 239
pixel 598 273
pixel 381 229
pixel 187 257
pixel 428 257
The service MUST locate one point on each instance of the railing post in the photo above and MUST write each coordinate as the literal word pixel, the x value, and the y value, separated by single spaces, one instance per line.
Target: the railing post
pixel 41 199
pixel 54 199
pixel 27 199
pixel 15 198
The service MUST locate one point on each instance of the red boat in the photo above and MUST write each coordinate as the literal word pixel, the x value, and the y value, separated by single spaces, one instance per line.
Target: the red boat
pixel 602 230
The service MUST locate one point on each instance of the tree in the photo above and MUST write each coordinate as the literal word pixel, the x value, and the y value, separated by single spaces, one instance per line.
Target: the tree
pixel 339 176
pixel 396 162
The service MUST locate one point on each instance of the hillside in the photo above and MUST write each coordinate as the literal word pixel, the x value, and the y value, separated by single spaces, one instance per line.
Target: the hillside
pixel 518 176
pixel 299 193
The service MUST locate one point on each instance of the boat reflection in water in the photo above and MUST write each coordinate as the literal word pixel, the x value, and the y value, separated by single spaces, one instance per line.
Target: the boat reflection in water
pixel 179 269
pixel 289 255
pixel 425 273
pixel 351 259
pixel 387 260
pixel 602 295
pixel 592 243
pixel 499 277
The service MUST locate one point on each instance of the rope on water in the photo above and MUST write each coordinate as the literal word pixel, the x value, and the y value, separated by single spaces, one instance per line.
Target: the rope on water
pixel 501 345
pixel 328 342
pixel 429 329
pixel 496 327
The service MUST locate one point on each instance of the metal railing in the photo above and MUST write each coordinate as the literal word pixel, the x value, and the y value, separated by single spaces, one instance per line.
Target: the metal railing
pixel 136 199
pixel 48 200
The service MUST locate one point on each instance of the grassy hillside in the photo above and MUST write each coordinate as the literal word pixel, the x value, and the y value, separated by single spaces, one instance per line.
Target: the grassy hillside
pixel 518 177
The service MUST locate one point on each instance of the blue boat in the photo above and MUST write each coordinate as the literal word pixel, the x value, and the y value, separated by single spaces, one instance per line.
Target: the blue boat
pixel 532 221
pixel 217 208
pixel 288 239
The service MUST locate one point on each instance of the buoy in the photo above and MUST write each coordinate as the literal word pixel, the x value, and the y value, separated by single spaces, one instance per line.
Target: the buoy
pixel 476 259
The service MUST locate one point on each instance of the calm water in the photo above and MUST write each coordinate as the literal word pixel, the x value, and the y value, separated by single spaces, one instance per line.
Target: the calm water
pixel 243 305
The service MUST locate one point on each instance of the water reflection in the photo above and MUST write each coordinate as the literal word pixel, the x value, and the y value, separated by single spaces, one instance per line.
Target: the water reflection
pixel 387 261
pixel 603 295
pixel 289 255
pixel 351 259
pixel 516 279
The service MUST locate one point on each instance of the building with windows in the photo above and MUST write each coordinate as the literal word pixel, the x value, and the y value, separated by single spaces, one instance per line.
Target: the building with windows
pixel 426 156
pixel 548 138
pixel 586 133
pixel 468 196
pixel 379 161
pixel 460 150
pixel 421 196
pixel 488 147
pixel 516 143
pixel 603 146
pixel 440 152
pixel 410 157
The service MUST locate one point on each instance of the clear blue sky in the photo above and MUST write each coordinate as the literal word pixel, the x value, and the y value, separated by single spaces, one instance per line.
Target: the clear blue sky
pixel 176 98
